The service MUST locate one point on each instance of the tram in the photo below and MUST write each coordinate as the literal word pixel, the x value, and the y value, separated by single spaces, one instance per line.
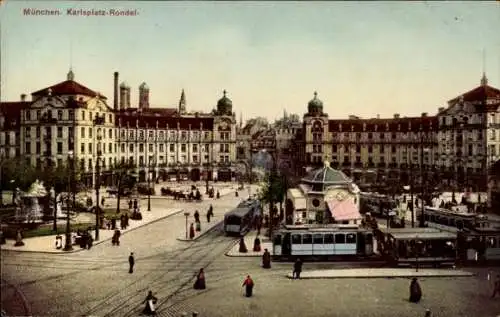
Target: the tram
pixel 481 244
pixel 331 242
pixel 449 220
pixel 239 221
pixel 418 246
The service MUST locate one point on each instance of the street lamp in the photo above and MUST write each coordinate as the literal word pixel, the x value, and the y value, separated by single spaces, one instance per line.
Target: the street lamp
pixel 422 181
pixel 68 245
pixel 54 197
pixel 98 121
pixel 186 214
pixel 149 188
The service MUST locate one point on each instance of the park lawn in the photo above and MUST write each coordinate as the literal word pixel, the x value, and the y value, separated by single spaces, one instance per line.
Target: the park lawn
pixel 61 228
pixel 110 213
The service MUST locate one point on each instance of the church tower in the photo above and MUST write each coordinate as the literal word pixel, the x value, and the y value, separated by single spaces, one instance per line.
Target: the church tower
pixel 182 103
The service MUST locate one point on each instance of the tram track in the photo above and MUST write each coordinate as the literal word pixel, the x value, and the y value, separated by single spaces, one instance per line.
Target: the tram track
pixel 176 273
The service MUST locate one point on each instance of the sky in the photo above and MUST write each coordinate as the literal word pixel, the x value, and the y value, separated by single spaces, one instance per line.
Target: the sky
pixel 363 58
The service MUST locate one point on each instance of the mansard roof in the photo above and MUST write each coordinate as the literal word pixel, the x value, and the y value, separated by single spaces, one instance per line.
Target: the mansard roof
pixel 67 87
pixel 173 122
pixel 480 93
pixel 411 124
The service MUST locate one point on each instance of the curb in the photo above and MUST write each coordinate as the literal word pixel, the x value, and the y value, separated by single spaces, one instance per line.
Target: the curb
pixel 201 234
pixel 100 241
pixel 289 276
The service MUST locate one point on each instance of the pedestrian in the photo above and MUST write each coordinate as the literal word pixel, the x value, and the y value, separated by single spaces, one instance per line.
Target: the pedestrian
pixel 191 231
pixel 200 280
pixel 243 247
pixel 59 242
pixel 496 287
pixel 131 262
pixel 126 218
pixel 256 245
pixel 196 216
pixel 122 222
pixel 297 269
pixel 150 301
pixel 415 291
pixel 266 259
pixel 248 284
pixel 130 205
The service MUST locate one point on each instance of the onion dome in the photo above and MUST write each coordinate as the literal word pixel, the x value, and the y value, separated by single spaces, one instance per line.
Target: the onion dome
pixel 315 105
pixel 143 86
pixel 124 85
pixel 225 105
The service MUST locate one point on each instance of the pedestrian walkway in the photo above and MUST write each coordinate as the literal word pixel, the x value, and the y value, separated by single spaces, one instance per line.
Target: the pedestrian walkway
pixel 265 243
pixel 205 227
pixel 46 244
pixel 380 273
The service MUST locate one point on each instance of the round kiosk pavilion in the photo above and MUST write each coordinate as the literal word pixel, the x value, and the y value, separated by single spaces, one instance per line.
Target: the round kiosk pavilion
pixel 324 196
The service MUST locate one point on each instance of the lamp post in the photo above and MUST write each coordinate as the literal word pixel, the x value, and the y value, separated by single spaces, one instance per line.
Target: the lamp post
pixel 422 176
pixel 149 189
pixel 68 245
pixel 54 197
pixel 186 214
pixel 98 121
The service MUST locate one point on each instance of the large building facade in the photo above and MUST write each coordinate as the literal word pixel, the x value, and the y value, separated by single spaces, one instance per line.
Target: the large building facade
pixel 453 148
pixel 70 120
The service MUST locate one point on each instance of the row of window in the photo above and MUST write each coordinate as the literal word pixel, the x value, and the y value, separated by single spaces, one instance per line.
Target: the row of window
pixel 62 115
pixel 338 238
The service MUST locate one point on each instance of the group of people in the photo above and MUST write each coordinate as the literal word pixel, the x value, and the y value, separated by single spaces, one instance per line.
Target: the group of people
pixel 197 222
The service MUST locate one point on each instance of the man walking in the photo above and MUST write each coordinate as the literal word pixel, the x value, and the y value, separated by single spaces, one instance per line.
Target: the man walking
pixel 131 262
pixel 297 269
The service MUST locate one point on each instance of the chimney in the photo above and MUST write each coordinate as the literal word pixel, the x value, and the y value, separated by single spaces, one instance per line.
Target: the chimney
pixel 440 109
pixel 115 89
pixel 424 114
pixel 396 116
pixel 23 97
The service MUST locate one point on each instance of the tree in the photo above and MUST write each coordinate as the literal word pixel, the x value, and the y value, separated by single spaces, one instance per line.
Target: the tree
pixel 123 181
pixel 273 191
pixel 16 173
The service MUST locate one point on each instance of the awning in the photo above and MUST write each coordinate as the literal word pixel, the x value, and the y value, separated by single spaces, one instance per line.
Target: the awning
pixel 343 210
pixel 298 199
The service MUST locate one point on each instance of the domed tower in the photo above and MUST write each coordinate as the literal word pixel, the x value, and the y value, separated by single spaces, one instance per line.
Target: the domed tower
pixel 124 96
pixel 143 96
pixel 225 105
pixel 315 106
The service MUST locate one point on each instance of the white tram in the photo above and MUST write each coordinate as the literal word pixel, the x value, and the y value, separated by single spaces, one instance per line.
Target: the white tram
pixel 239 221
pixel 332 241
pixel 448 220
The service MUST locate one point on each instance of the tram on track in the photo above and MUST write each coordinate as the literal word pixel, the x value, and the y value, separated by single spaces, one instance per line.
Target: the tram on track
pixel 330 242
pixel 239 221
pixel 417 246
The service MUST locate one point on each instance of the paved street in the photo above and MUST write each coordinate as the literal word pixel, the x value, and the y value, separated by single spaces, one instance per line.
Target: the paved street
pixel 96 282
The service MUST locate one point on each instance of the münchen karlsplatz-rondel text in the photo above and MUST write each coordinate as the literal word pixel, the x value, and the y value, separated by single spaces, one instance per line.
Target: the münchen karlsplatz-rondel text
pixel 109 12
pixel 81 12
